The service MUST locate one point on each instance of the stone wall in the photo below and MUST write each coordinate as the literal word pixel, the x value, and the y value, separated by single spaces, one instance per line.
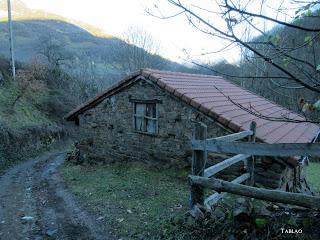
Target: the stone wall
pixel 109 136
pixel 18 144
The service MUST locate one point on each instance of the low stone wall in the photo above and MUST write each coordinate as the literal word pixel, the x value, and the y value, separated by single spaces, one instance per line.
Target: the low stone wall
pixel 19 143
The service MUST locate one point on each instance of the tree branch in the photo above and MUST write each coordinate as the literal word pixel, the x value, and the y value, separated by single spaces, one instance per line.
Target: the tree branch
pixel 230 9
pixel 233 36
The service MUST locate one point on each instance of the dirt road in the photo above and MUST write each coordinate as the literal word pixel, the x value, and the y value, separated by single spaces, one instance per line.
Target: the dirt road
pixel 35 204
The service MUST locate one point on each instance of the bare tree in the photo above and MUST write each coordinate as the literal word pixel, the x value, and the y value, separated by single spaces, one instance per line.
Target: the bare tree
pixel 53 51
pixel 277 56
pixel 87 80
pixel 139 51
pixel 30 82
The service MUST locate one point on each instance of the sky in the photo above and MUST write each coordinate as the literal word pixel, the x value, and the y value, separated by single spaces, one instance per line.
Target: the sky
pixel 179 41
pixel 174 35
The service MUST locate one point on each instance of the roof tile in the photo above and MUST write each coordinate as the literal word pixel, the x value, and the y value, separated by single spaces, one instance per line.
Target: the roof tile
pixel 209 94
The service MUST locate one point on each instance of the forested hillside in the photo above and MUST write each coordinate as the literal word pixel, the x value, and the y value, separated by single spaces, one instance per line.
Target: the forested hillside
pixel 295 51
pixel 30 119
pixel 81 50
pixel 60 64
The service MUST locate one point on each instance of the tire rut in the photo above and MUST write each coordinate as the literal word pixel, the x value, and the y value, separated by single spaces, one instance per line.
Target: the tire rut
pixel 35 204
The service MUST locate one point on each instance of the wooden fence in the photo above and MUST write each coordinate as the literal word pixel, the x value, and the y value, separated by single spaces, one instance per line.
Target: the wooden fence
pixel 202 177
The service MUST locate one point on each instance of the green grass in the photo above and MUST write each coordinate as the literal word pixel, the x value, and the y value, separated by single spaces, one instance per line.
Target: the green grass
pixel 24 112
pixel 142 203
pixel 313 175
pixel 136 201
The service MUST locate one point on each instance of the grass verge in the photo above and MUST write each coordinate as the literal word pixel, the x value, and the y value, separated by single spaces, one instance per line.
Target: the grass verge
pixel 141 203
pixel 313 175
pixel 24 113
pixel 54 146
pixel 136 201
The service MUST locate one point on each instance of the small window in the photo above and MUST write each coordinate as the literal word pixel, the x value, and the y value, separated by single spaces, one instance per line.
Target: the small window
pixel 145 117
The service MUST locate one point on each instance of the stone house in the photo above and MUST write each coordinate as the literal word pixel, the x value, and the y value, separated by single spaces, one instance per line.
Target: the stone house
pixel 148 117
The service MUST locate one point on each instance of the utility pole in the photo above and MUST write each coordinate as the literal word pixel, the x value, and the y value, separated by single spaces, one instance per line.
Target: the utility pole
pixel 13 67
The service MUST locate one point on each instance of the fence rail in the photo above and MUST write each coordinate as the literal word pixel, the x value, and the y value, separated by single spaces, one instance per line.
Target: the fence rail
pixel 202 177
pixel 225 164
pixel 259 149
pixel 231 137
pixel 200 159
pixel 214 198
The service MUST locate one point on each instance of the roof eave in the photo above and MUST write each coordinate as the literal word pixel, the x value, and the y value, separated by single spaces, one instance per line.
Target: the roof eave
pixel 71 116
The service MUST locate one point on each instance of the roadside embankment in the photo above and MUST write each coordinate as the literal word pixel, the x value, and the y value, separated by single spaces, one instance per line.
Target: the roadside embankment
pixel 17 144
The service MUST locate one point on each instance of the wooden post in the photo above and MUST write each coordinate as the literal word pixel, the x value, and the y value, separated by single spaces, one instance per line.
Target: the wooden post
pixel 252 138
pixel 199 159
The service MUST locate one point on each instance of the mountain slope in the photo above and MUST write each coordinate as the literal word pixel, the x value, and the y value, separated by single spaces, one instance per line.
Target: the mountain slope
pixel 82 52
pixel 29 34
pixel 21 12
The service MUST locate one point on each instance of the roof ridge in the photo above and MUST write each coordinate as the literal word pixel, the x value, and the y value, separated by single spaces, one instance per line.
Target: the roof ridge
pixel 180 73
pixel 210 76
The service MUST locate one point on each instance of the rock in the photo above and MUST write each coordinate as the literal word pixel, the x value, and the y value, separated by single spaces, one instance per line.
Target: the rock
pixel 196 213
pixel 241 200
pixel 190 221
pixel 51 233
pixel 26 219
pixel 219 214
pixel 263 212
pixel 1 77
pixel 242 213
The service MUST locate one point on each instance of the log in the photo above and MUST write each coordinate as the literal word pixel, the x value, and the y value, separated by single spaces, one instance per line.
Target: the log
pixel 259 149
pixel 258 193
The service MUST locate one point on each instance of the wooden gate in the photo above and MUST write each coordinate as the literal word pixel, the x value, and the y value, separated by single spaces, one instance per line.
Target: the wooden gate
pixel 202 177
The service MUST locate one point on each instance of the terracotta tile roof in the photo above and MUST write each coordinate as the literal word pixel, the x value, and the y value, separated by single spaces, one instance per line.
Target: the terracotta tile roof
pixel 208 94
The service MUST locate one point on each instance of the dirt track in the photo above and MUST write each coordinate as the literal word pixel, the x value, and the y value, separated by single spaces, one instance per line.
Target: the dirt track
pixel 34 204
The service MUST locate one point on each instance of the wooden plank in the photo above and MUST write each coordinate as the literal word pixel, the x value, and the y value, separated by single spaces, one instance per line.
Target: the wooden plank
pixel 298 199
pixel 241 178
pixel 232 137
pixel 214 198
pixel 250 162
pixel 198 164
pixel 224 164
pixel 260 149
